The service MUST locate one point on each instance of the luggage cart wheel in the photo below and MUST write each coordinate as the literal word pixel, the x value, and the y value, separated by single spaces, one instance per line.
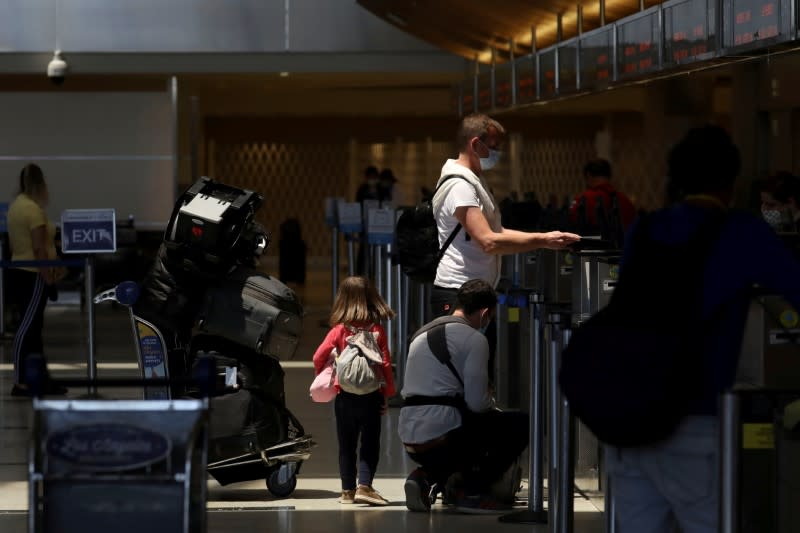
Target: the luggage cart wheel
pixel 282 481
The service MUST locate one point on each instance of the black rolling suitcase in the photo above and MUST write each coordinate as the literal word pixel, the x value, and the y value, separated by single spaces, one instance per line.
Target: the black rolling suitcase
pixel 255 311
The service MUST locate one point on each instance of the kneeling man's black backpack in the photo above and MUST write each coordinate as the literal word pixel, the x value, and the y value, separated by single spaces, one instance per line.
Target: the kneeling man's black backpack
pixel 417 239
pixel 632 371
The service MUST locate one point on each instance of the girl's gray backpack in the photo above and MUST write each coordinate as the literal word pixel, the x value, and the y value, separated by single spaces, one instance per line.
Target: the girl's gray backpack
pixel 355 365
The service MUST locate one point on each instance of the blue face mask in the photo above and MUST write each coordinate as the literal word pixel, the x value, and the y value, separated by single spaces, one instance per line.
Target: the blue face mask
pixel 491 160
pixel 483 329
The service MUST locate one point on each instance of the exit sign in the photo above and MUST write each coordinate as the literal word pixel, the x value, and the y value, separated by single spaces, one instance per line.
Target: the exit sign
pixel 88 231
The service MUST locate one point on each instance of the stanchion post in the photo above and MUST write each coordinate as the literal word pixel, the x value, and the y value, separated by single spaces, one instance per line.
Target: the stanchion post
pixel 351 256
pixel 89 286
pixel 334 262
pixel 378 262
pixel 553 497
pixel 730 445
pixel 402 325
pixel 566 460
pixel 389 294
pixel 609 507
pixel 422 303
pixel 2 291
pixel 535 513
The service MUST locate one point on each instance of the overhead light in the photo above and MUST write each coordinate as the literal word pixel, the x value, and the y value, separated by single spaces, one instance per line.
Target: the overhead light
pixel 284 74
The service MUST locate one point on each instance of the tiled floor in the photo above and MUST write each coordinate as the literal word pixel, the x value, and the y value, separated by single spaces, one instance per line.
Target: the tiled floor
pixel 244 506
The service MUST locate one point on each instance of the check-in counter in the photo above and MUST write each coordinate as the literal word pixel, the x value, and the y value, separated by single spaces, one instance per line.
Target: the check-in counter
pixel 768 443
pixel 554 274
pixel 594 278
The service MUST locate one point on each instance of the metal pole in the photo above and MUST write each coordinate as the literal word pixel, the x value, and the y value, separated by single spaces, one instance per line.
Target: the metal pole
pixel 377 250
pixel 559 27
pixel 2 293
pixel 566 461
pixel 512 59
pixel 176 155
pixel 351 257
pixel 641 5
pixel 421 303
pixel 334 262
pixel 553 404
pixel 729 463
pixel 536 472
pixel 609 506
pixel 400 321
pixel 602 12
pixel 535 513
pixel 579 19
pixel 89 286
pixel 389 295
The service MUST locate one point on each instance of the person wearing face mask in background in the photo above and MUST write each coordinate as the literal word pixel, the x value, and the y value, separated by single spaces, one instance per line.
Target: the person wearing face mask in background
pixel 463 200
pixel 448 422
pixel 780 202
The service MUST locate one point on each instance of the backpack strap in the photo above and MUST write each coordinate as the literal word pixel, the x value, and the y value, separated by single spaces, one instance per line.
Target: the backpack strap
pixel 455 231
pixel 437 340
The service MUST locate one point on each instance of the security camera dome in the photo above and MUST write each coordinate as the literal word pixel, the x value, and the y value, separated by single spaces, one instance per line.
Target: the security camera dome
pixel 57 68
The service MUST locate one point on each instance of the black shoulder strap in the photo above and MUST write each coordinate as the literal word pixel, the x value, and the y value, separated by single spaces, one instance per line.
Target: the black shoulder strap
pixel 455 231
pixel 437 340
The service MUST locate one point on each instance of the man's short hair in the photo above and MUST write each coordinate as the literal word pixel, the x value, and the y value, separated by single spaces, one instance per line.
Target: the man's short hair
pixel 475 295
pixel 597 168
pixel 704 161
pixel 371 171
pixel 475 125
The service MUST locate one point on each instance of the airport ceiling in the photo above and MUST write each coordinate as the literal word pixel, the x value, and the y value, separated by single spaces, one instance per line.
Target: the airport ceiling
pixel 471 28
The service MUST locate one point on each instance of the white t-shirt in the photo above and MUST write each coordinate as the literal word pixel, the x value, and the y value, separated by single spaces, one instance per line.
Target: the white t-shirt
pixel 464 259
pixel 425 375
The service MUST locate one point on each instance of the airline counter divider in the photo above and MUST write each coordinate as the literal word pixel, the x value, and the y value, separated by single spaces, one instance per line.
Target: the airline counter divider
pixel 760 436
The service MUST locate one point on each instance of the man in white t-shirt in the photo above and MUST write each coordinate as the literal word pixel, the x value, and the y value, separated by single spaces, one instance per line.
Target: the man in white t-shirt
pixel 466 200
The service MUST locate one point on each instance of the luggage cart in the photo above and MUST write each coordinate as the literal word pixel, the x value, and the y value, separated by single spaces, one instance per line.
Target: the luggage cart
pixel 125 466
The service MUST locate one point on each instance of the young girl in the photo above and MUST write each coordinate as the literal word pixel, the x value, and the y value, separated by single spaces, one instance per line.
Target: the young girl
pixel 358 306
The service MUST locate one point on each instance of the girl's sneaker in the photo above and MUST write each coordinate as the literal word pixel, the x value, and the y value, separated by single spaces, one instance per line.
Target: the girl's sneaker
pixel 348 497
pixel 366 494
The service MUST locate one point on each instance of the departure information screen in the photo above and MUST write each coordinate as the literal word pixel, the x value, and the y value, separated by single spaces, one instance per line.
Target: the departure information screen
pixel 502 84
pixel 596 54
pixel 547 73
pixel 637 45
pixel 568 67
pixel 526 79
pixel 689 31
pixel 753 20
pixel 484 91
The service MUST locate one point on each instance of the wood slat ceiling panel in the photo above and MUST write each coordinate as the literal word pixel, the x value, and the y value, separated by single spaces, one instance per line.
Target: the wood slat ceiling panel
pixel 471 28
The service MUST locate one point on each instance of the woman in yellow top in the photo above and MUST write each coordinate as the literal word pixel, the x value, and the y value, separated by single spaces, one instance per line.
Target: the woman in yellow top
pixel 32 237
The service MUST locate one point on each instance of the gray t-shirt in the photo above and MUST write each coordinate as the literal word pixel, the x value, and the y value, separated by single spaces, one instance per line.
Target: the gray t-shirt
pixel 426 376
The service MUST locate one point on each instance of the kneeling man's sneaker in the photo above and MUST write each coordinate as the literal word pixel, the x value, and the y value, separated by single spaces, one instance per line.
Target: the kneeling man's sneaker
pixel 366 494
pixel 417 492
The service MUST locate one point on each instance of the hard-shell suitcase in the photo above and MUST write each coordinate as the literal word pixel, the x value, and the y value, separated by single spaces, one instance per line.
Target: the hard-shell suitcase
pixel 253 310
